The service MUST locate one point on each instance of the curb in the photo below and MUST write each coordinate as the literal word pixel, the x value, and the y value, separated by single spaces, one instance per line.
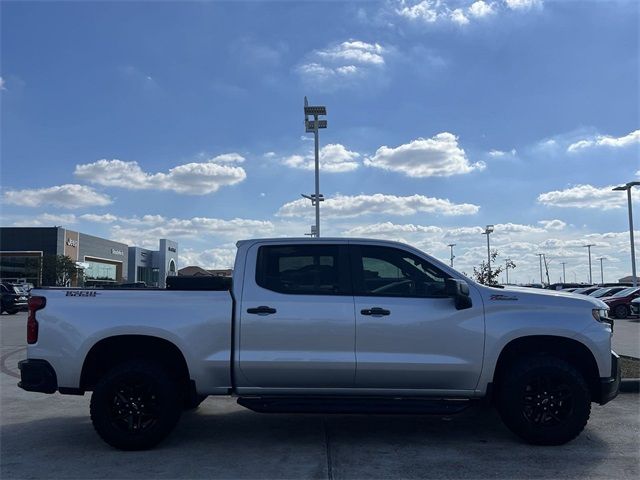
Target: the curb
pixel 630 385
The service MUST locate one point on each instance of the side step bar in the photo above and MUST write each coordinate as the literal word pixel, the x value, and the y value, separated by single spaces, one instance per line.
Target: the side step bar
pixel 362 405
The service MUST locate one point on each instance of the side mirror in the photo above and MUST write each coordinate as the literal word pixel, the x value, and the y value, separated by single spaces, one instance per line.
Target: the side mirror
pixel 459 291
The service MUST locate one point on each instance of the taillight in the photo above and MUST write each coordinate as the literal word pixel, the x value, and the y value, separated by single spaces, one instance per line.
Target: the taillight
pixel 35 304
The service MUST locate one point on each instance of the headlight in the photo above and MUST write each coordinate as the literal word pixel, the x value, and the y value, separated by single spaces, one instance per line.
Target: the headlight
pixel 602 315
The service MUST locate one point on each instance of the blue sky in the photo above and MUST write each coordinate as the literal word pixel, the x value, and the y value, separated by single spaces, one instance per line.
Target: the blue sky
pixel 142 120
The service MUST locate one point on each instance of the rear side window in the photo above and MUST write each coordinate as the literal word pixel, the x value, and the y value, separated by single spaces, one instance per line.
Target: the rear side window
pixel 303 269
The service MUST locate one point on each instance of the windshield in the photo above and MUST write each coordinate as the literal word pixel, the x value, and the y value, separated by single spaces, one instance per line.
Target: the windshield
pixel 601 292
pixel 626 291
pixel 18 290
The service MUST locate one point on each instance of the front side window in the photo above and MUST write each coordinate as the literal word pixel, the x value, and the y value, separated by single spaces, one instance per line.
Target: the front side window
pixel 391 272
pixel 302 269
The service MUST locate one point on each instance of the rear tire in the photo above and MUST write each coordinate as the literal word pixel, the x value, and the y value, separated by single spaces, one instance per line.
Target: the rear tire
pixel 544 400
pixel 135 405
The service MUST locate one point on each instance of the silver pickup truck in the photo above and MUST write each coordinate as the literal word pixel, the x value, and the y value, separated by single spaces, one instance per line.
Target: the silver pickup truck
pixel 324 325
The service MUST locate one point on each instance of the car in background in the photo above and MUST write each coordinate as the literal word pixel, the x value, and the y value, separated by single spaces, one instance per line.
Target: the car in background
pixel 14 298
pixel 635 307
pixel 586 290
pixel 606 291
pixel 620 303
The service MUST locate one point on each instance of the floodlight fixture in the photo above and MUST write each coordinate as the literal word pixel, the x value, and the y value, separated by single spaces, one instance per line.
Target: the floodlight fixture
pixel 315 110
pixel 312 126
pixel 489 229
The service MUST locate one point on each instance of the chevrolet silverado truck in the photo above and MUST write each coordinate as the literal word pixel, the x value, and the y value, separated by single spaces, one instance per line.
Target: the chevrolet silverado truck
pixel 324 325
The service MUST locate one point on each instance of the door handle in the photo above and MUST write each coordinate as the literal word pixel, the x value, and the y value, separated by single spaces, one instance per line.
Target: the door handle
pixel 261 310
pixel 375 312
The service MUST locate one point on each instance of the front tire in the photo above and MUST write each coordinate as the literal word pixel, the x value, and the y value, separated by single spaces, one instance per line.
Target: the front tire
pixel 544 400
pixel 135 405
pixel 621 311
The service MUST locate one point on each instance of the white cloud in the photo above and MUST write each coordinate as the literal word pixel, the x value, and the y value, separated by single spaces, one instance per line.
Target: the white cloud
pixel 354 51
pixel 585 196
pixel 439 156
pixel 606 141
pixel 215 258
pixel 190 178
pixel 481 9
pixel 522 4
pixel 147 229
pixel 345 61
pixel 95 218
pixel 553 224
pixel 62 196
pixel 501 153
pixel 345 206
pixel 47 220
pixel 2 84
pixel 334 158
pixel 458 16
pixel 388 228
pixel 459 13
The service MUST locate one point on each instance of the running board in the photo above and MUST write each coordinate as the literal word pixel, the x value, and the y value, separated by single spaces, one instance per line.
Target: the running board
pixel 362 405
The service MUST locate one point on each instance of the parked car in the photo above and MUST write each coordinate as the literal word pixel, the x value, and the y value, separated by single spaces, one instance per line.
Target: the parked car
pixel 586 290
pixel 619 304
pixel 14 298
pixel 323 325
pixel 606 291
pixel 635 306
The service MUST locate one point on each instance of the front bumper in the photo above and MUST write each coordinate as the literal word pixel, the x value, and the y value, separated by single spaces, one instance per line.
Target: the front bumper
pixel 37 376
pixel 609 386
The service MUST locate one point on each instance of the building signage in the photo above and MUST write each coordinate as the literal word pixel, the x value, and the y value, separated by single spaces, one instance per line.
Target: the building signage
pixel 172 249
pixel 115 251
pixel 72 243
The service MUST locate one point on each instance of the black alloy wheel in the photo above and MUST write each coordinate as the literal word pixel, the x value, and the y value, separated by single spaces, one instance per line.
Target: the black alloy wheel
pixel 136 405
pixel 543 399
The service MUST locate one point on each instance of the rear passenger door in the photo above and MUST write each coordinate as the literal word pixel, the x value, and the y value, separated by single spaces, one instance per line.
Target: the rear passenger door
pixel 297 322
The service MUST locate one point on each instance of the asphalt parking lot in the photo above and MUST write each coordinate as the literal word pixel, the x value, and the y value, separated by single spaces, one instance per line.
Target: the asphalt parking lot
pixel 50 436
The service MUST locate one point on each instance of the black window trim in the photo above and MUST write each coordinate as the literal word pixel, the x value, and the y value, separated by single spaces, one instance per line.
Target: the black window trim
pixel 344 270
pixel 355 257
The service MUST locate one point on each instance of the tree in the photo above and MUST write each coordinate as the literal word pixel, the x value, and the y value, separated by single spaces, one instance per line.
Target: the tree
pixel 58 270
pixel 481 274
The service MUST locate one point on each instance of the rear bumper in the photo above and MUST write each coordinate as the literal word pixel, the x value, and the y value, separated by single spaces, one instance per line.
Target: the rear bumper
pixel 609 386
pixel 37 376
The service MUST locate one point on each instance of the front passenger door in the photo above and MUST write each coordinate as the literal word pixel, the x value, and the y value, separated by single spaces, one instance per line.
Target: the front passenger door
pixel 409 334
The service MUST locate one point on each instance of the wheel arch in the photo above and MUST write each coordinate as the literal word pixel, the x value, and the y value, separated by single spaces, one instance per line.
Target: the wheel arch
pixel 573 351
pixel 113 350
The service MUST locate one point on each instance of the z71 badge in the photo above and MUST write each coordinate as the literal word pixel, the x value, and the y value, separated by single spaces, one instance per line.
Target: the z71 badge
pixel 503 297
pixel 81 293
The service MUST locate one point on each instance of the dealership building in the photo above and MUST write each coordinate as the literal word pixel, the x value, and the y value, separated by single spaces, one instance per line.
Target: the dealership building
pixel 100 261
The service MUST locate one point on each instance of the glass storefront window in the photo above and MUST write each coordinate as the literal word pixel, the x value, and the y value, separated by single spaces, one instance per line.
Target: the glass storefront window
pixel 21 267
pixel 100 271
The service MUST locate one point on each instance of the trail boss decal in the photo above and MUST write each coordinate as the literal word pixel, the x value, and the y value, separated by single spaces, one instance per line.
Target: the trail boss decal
pixel 81 293
pixel 503 297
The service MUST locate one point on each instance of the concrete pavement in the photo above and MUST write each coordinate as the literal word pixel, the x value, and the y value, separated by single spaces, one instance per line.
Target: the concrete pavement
pixel 626 337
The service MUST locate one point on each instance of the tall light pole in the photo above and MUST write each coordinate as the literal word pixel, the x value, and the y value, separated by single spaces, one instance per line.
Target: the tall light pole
pixel 506 265
pixel 601 271
pixel 540 256
pixel 488 231
pixel 312 126
pixel 588 247
pixel 564 277
pixel 628 187
pixel 451 245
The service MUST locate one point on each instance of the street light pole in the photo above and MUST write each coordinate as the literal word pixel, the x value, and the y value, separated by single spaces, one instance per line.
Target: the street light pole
pixel 451 245
pixel 506 264
pixel 628 187
pixel 487 231
pixel 601 271
pixel 564 277
pixel 312 126
pixel 588 247
pixel 540 257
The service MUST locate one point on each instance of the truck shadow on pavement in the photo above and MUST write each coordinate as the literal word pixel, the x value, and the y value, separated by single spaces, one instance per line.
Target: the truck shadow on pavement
pixel 237 443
